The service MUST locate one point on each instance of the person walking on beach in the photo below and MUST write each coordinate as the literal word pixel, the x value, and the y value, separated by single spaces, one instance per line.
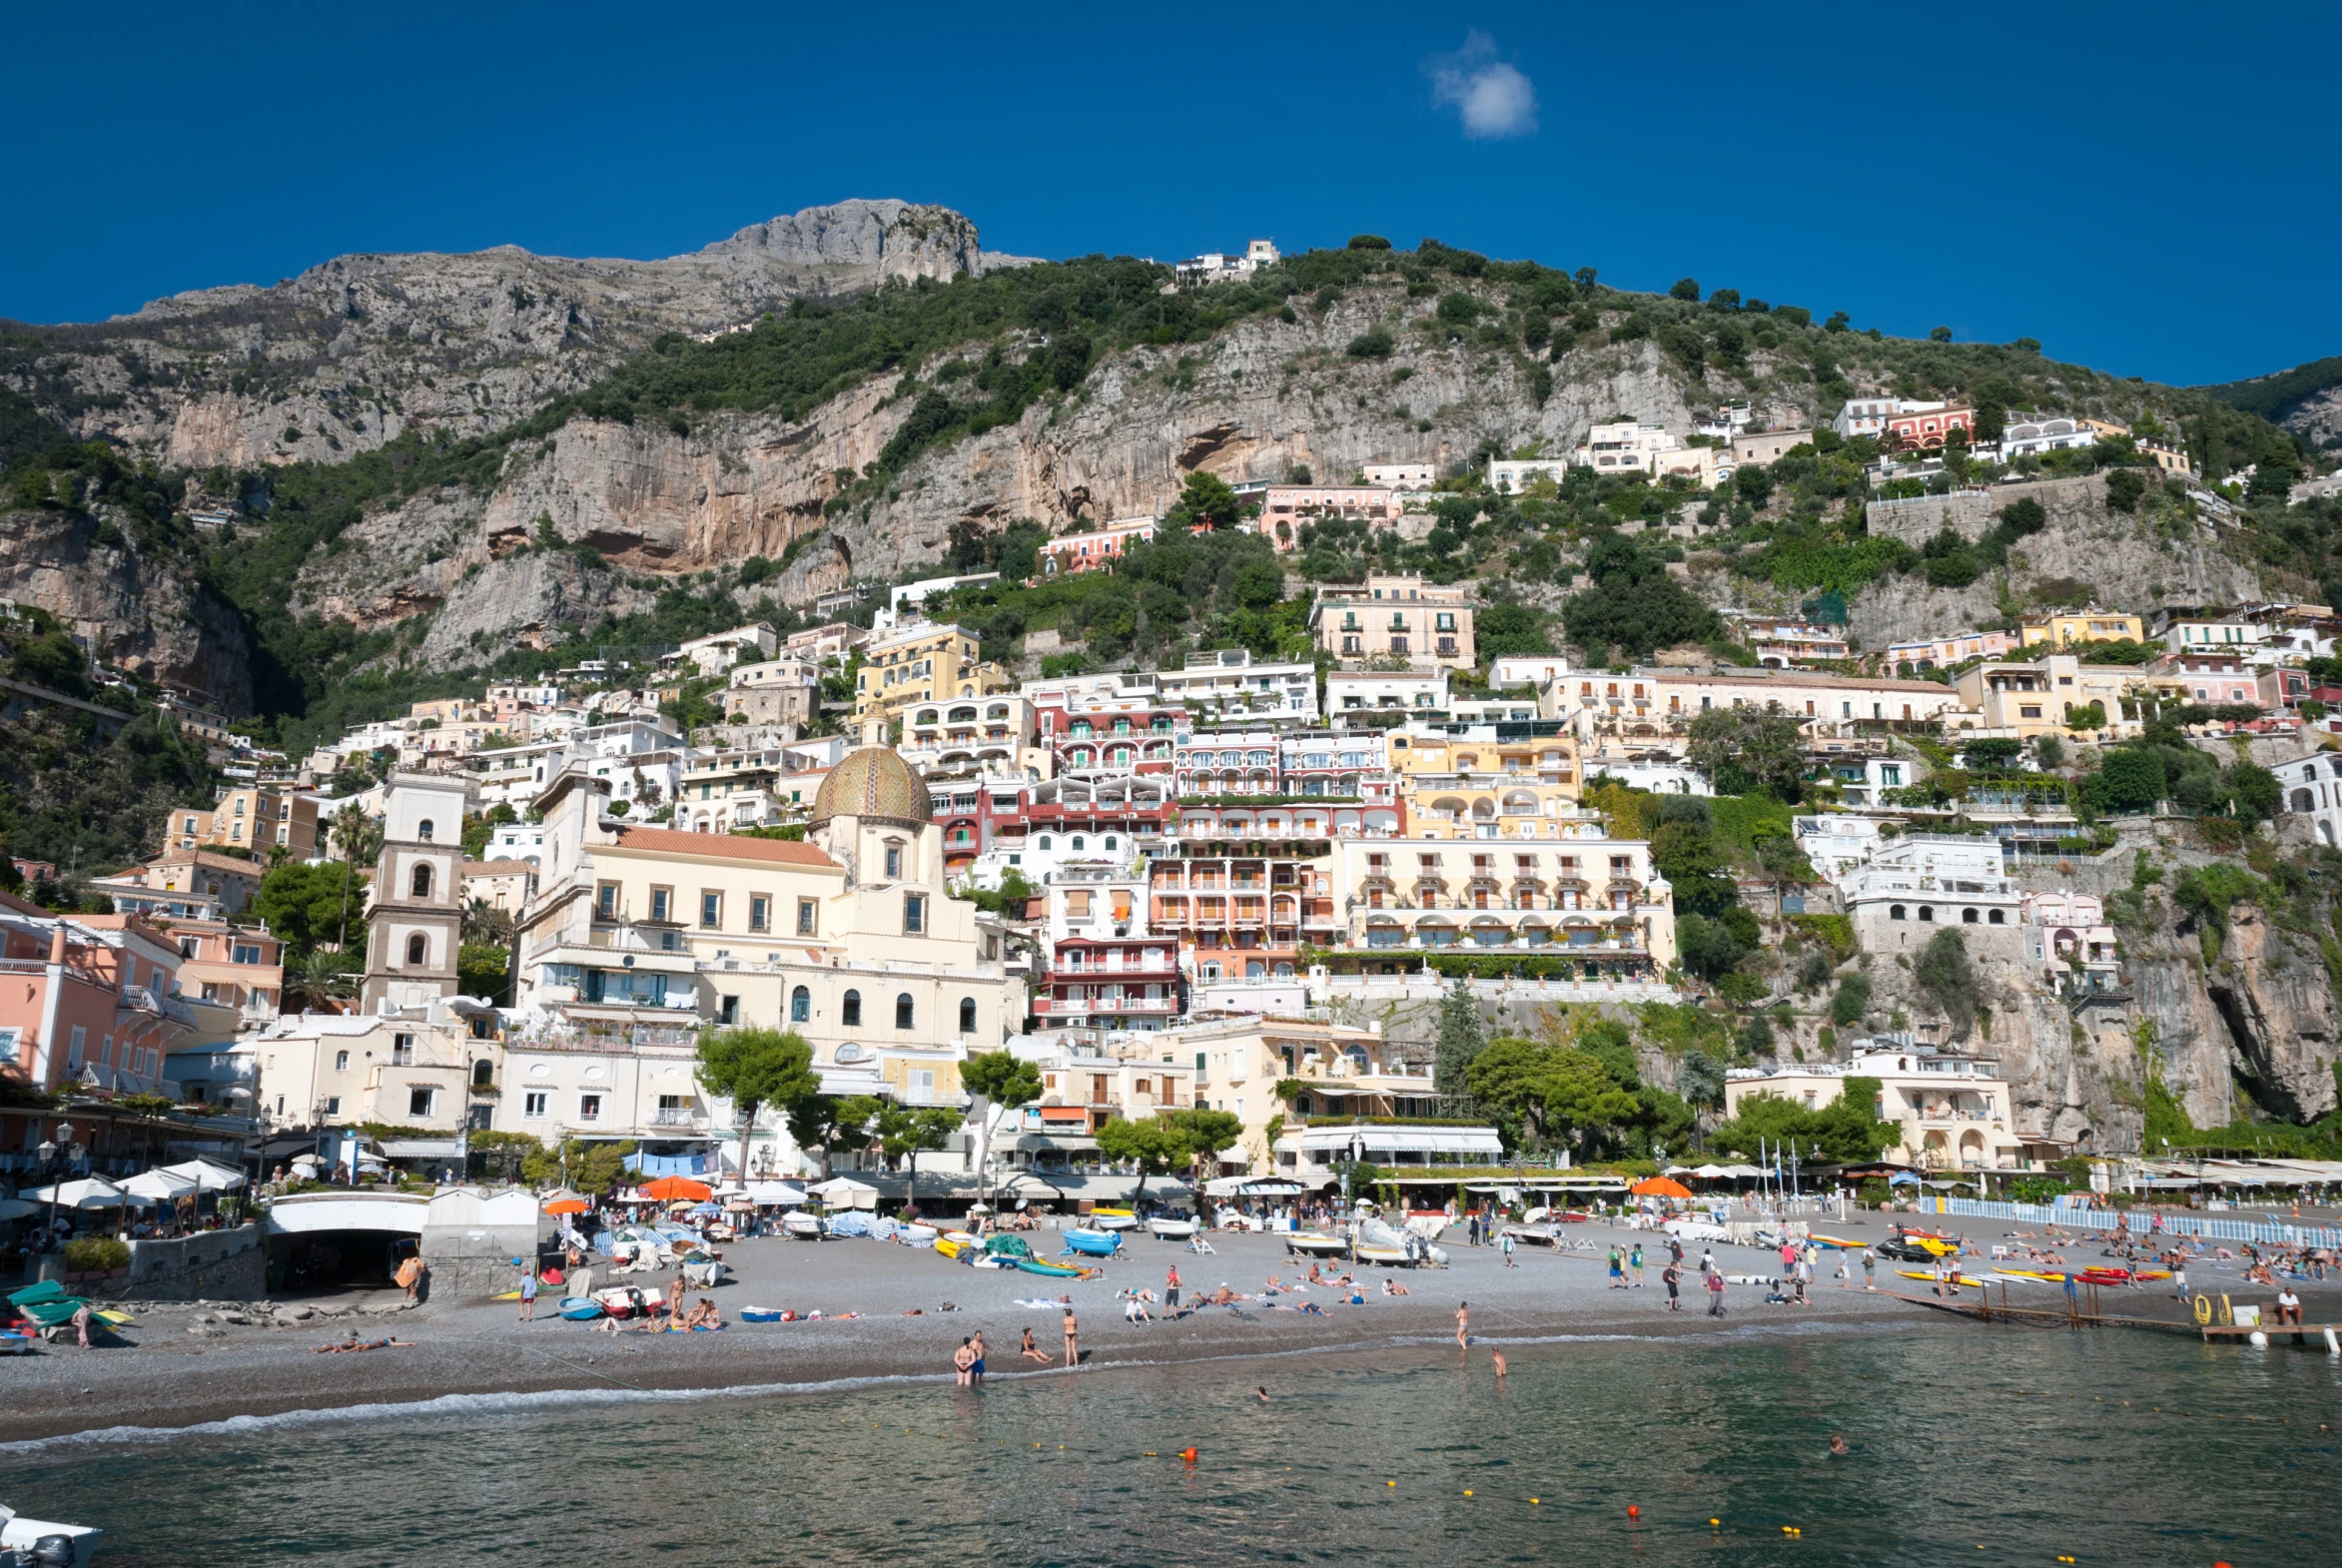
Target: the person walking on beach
pixel 1472 1229
pixel 976 1372
pixel 1617 1270
pixel 2179 1275
pixel 1073 1349
pixel 1463 1324
pixel 1672 1277
pixel 1505 1244
pixel 1715 1293
pixel 1170 1293
pixel 1636 1258
pixel 529 1294
pixel 1869 1269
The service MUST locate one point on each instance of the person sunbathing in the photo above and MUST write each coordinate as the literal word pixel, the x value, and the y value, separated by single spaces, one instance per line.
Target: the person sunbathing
pixel 1393 1287
pixel 1313 1309
pixel 353 1344
pixel 1032 1352
pixel 703 1314
pixel 1224 1296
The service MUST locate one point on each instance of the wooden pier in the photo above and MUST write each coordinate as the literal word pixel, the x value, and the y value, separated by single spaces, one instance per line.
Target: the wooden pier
pixel 2083 1311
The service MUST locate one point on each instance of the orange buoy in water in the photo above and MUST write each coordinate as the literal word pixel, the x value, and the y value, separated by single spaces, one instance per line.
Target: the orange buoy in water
pixel 1187 1454
pixel 1633 1511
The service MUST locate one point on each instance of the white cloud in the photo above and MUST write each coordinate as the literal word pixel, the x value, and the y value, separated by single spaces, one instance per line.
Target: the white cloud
pixel 1494 100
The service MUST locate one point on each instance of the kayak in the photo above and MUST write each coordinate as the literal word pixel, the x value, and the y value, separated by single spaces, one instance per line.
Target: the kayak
pixel 1838 1242
pixel 953 1243
pixel 1035 1265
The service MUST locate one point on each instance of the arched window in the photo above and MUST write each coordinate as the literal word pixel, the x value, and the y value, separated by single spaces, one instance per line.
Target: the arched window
pixel 422 830
pixel 416 949
pixel 421 881
pixel 800 1005
pixel 484 1073
pixel 849 1011
pixel 903 1011
pixel 1967 916
pixel 1999 918
pixel 1077 841
pixel 1927 912
pixel 1044 841
pixel 1896 912
pixel 967 1015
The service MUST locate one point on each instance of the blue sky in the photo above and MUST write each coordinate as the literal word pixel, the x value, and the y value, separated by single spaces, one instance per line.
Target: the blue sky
pixel 2151 191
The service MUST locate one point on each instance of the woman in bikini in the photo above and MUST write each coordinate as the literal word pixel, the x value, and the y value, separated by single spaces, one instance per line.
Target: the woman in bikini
pixel 1031 1351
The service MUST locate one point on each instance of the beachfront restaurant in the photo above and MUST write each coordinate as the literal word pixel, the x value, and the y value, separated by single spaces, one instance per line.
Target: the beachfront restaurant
pixel 1312 1155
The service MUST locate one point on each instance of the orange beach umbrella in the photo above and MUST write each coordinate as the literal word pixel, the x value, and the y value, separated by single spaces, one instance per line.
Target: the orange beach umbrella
pixel 1660 1186
pixel 568 1205
pixel 669 1190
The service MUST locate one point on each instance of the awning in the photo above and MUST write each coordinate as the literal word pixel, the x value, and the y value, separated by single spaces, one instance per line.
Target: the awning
pixel 1457 1140
pixel 421 1149
pixel 1253 1186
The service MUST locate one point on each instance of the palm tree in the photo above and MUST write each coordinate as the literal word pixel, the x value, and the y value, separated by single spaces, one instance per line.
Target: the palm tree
pixel 319 977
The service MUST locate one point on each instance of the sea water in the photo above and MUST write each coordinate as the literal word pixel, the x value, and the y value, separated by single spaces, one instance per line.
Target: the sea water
pixel 1992 1447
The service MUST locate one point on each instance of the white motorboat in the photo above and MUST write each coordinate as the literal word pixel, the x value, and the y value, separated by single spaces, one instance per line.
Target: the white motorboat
pixel 1316 1244
pixel 1170 1230
pixel 802 1226
pixel 45 1544
pixel 1113 1219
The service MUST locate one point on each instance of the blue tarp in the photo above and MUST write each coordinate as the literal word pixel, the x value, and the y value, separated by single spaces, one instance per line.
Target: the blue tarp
pixel 671 1164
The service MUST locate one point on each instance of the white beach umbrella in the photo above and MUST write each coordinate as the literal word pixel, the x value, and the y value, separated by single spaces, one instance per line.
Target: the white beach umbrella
pixel 160 1186
pixel 84 1193
pixel 207 1175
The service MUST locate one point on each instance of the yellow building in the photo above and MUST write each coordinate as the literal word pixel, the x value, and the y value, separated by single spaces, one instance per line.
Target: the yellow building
pixel 923 662
pixel 257 819
pixel 2063 628
pixel 2023 699
pixel 1461 781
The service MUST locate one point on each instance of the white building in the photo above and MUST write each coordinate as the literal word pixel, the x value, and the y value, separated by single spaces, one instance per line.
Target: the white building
pixel 1868 416
pixel 1515 474
pixel 1230 683
pixel 2031 438
pixel 908 602
pixel 719 651
pixel 1403 475
pixel 1223 266
pixel 1525 669
pixel 1913 884
pixel 1954 1112
pixel 1411 691
pixel 2313 793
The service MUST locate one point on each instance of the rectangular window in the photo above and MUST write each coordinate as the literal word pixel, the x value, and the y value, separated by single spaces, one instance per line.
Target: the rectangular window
pixel 247 955
pixel 333 1105
pixel 589 1107
pixel 914 915
pixel 1078 904
pixel 808 921
pixel 605 901
pixel 711 910
pixel 533 1105
pixel 894 862
pixel 760 913
pixel 403 1050
pixel 661 901
pixel 419 1100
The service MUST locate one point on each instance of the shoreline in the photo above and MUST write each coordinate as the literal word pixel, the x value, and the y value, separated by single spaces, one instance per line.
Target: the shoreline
pixel 685 1371
pixel 181 1372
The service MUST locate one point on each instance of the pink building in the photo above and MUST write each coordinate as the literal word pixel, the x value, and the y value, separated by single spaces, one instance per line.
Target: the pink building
pixel 1943 652
pixel 1094 550
pixel 1286 508
pixel 85 1000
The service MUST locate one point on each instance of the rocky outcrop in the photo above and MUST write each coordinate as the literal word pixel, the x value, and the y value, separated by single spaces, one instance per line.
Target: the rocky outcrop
pixel 360 348
pixel 2161 555
pixel 1257 401
pixel 534 599
pixel 141 612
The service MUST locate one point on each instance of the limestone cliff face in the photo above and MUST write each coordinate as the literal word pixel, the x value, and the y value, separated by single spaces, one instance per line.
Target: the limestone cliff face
pixel 1262 397
pixel 360 348
pixel 139 611
pixel 2125 560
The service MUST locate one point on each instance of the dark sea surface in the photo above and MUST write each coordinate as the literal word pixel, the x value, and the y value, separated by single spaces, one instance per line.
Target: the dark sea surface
pixel 1992 1447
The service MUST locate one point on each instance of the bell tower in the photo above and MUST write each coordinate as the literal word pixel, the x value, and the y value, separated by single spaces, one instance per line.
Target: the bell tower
pixel 415 921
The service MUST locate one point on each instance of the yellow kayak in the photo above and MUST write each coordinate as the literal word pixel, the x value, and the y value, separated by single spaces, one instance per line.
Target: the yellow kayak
pixel 953 1243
